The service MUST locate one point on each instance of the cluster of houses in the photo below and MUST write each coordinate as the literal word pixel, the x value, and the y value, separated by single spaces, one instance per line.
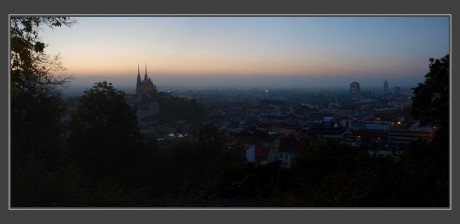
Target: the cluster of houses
pixel 273 131
pixel 270 129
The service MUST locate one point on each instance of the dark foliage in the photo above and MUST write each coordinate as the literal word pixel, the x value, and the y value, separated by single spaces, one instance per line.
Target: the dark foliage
pixel 104 139
pixel 36 82
pixel 176 108
pixel 431 98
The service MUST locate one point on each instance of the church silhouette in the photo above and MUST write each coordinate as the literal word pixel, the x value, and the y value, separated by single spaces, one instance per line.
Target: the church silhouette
pixel 145 88
pixel 144 100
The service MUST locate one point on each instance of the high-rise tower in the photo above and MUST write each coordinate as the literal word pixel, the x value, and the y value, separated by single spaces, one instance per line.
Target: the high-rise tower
pixel 385 87
pixel 354 90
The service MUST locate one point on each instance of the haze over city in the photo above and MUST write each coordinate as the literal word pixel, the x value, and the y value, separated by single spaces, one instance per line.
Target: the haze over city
pixel 274 52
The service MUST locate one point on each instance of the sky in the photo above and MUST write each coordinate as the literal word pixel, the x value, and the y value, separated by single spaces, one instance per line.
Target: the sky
pixel 247 51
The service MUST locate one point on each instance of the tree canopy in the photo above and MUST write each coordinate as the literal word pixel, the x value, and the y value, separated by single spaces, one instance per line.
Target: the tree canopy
pixel 431 98
pixel 103 112
pixel 431 106
pixel 33 71
pixel 36 82
pixel 104 130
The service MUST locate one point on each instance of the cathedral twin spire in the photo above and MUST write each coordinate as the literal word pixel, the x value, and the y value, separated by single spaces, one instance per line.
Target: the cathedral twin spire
pixel 139 73
pixel 146 85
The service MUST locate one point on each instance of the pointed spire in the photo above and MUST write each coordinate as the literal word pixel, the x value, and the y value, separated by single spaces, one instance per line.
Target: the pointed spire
pixel 145 77
pixel 138 74
pixel 138 79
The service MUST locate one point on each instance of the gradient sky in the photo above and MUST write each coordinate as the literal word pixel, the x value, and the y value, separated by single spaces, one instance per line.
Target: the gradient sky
pixel 284 51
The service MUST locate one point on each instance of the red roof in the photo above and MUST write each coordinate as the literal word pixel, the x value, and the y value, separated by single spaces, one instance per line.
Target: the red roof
pixel 262 152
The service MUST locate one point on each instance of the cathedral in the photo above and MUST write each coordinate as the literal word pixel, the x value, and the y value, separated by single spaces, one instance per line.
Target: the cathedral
pixel 144 100
pixel 145 88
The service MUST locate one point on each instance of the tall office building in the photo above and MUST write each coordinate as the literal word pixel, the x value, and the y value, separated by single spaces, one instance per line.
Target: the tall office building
pixel 385 87
pixel 354 90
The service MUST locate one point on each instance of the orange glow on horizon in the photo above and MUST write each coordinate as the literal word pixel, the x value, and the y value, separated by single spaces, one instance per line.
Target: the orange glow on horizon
pixel 305 47
pixel 79 63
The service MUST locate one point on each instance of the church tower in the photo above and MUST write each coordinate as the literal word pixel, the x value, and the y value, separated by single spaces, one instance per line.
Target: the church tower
pixel 145 76
pixel 146 92
pixel 145 87
pixel 139 82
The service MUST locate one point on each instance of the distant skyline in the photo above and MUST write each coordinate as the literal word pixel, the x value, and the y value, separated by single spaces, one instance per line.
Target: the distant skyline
pixel 252 51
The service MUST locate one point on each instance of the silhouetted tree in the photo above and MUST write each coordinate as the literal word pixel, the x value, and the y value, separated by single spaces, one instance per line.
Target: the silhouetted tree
pixel 33 72
pixel 431 98
pixel 104 134
pixel 431 160
pixel 36 82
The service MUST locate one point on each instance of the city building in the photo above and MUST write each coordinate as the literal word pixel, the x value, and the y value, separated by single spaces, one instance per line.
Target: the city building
pixel 288 149
pixel 328 127
pixel 404 136
pixel 147 109
pixel 385 87
pixel 368 131
pixel 354 90
pixel 258 154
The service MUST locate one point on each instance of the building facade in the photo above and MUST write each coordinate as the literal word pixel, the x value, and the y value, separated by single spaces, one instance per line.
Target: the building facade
pixel 406 136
